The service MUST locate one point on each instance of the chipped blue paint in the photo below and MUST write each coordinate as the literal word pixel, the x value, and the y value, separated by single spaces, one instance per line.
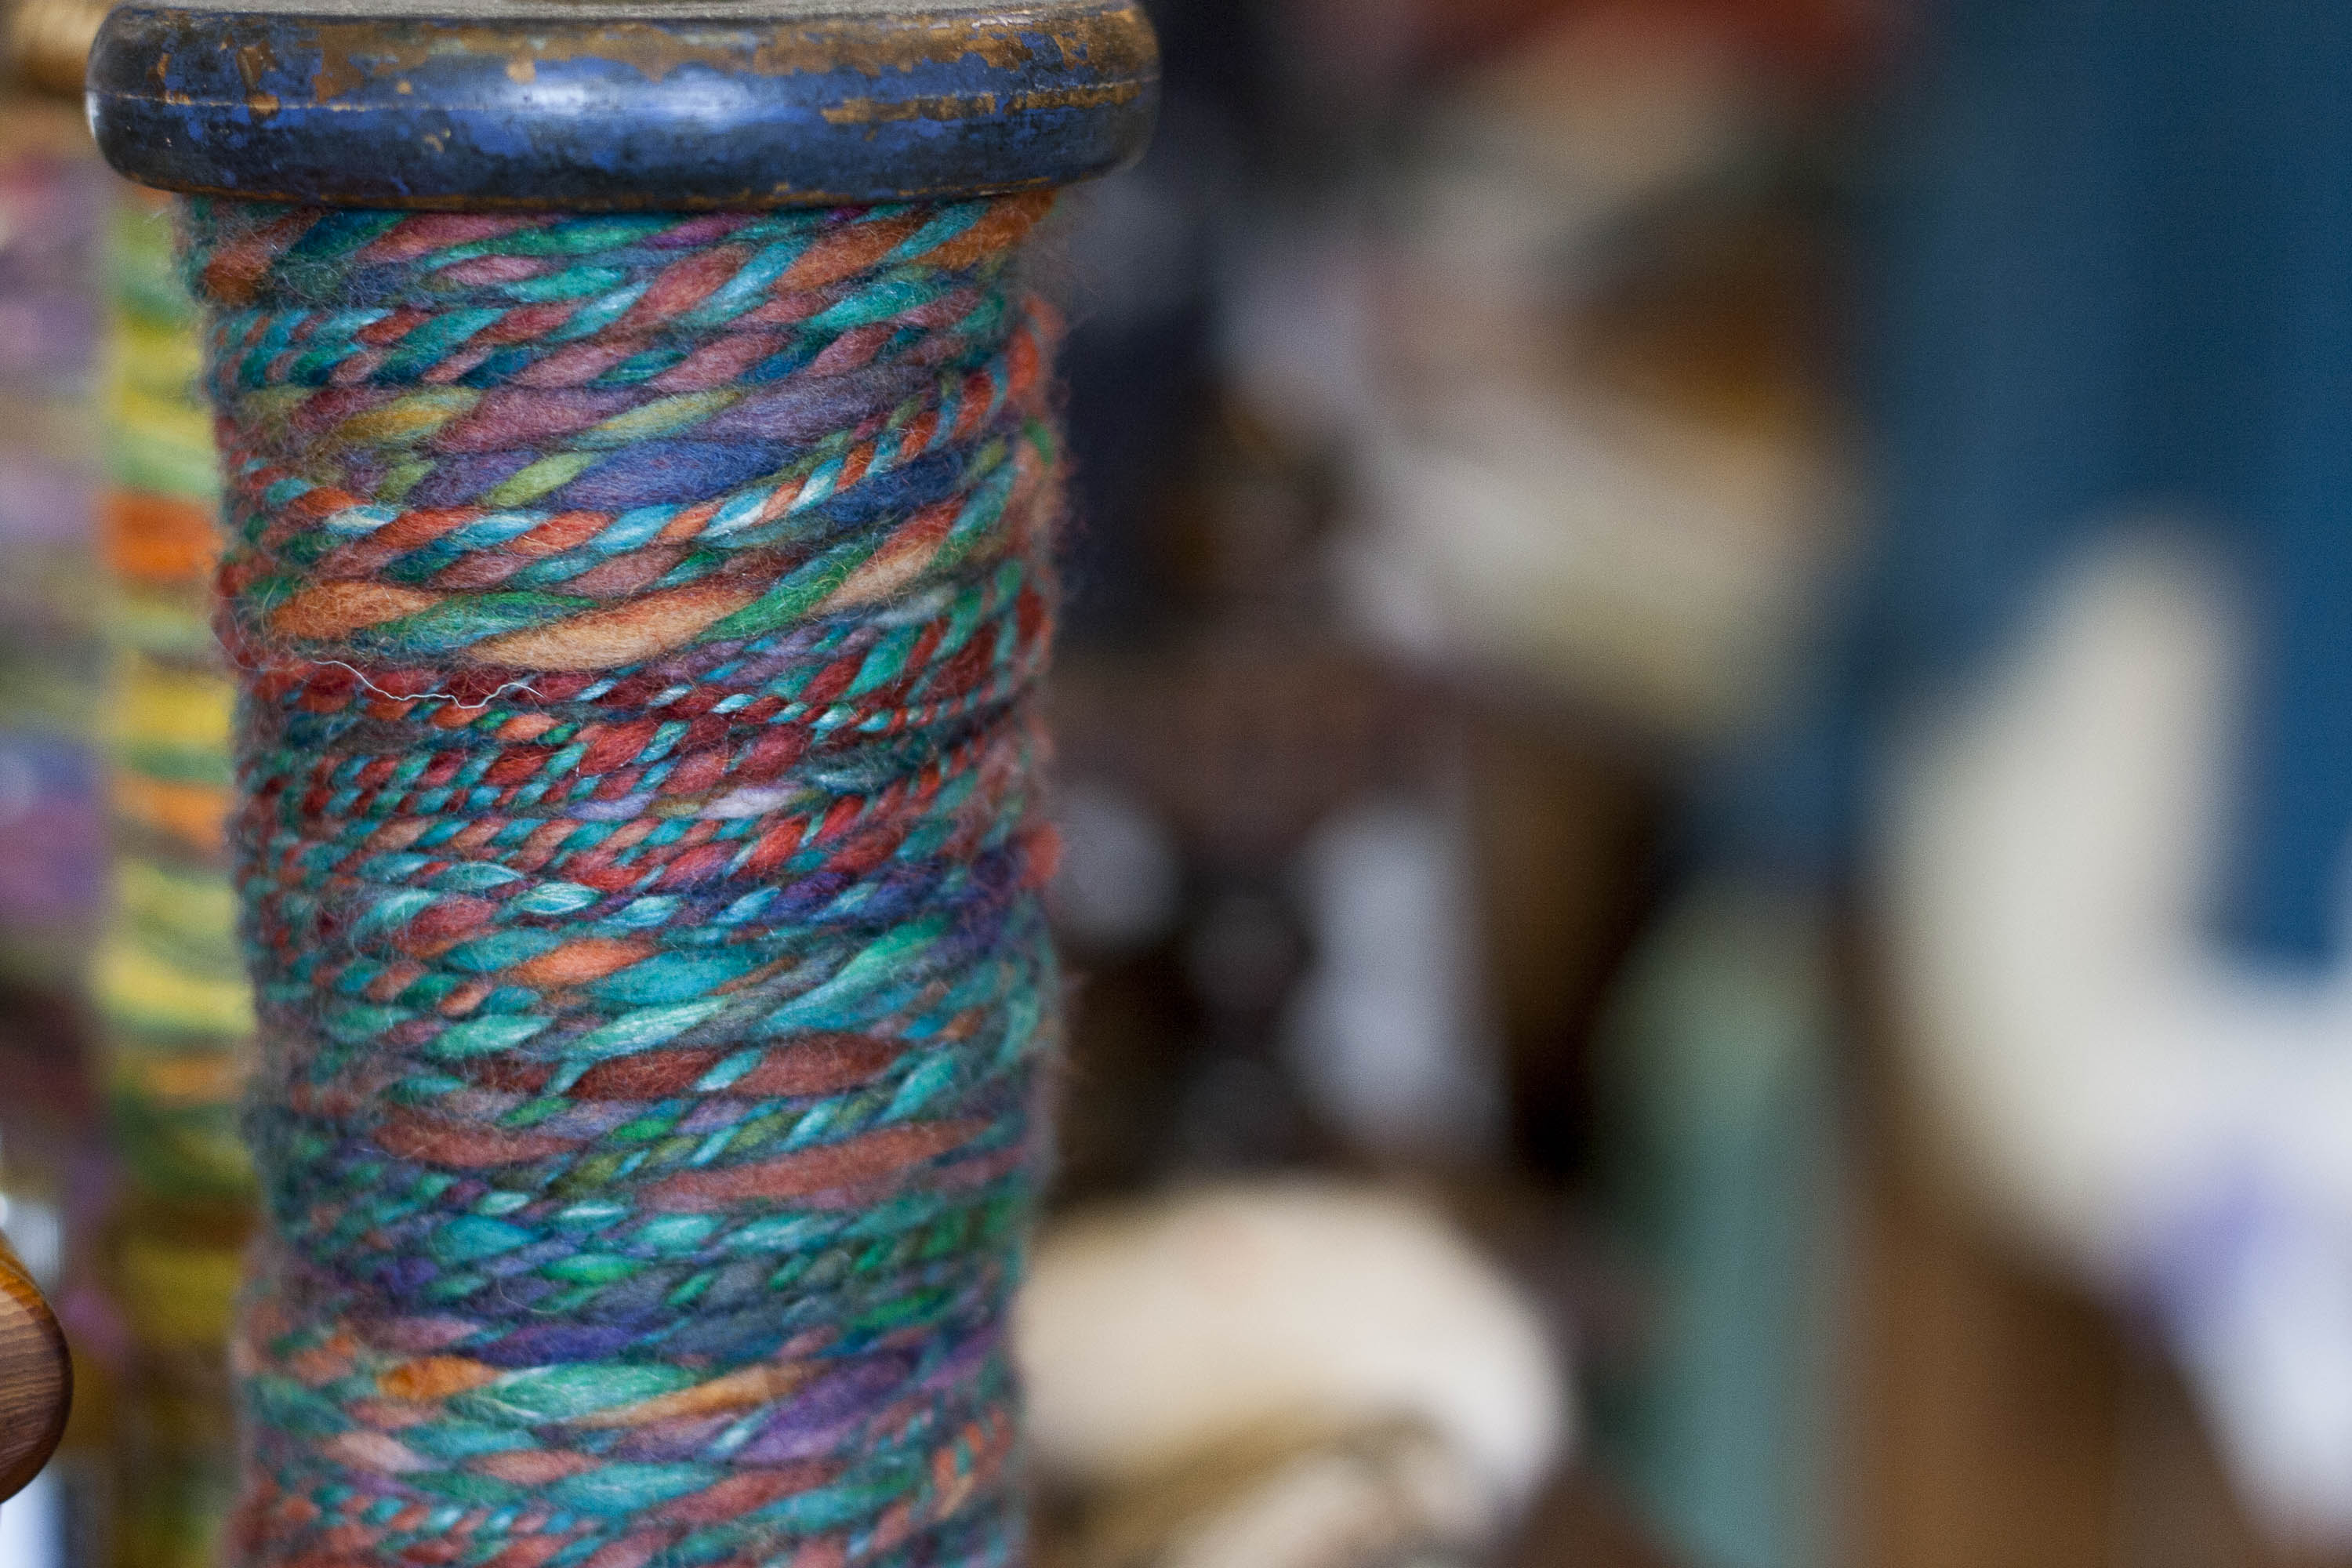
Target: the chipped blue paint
pixel 615 108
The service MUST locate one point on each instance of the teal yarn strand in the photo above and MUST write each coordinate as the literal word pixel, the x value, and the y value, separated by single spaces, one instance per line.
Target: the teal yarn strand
pixel 639 835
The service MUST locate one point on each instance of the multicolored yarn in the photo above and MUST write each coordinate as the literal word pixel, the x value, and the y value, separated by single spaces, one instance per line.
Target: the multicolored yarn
pixel 639 838
pixel 173 1275
pixel 168 982
pixel 52 836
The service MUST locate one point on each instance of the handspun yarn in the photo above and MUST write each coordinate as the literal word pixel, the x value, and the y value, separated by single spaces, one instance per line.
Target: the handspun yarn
pixel 167 982
pixel 638 841
pixel 52 194
pixel 174 1274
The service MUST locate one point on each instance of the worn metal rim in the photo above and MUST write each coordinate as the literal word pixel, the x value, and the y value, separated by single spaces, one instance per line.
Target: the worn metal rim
pixel 592 106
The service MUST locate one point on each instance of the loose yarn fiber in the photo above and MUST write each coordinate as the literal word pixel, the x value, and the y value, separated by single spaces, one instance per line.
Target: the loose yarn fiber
pixel 638 841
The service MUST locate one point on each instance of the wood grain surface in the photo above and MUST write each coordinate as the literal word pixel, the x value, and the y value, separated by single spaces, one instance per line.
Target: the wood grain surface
pixel 35 1377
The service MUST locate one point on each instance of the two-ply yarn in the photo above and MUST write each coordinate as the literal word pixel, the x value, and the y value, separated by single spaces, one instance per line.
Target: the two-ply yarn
pixel 639 836
pixel 167 982
pixel 173 1002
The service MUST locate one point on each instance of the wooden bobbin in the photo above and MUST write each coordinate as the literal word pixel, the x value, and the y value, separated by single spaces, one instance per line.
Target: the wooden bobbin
pixel 35 1377
pixel 620 105
pixel 586 106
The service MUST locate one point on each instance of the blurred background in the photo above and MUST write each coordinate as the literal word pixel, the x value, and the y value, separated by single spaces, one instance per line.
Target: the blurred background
pixel 1705 732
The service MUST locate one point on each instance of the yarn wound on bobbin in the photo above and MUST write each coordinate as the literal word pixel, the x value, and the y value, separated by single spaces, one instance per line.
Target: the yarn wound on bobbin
pixel 167 982
pixel 639 845
pixel 52 199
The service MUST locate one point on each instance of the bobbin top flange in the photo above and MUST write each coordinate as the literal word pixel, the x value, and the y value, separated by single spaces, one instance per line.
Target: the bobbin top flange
pixel 620 105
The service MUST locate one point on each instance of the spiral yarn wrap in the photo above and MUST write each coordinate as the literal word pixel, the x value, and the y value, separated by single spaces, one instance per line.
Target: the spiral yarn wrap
pixel 638 847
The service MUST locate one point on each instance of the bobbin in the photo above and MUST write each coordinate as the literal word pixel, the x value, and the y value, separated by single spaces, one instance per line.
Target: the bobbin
pixel 590 106
pixel 35 1377
pixel 837 1241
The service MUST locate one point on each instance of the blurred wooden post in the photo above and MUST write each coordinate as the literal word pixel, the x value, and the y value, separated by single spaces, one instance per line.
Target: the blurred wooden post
pixel 1997 1415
